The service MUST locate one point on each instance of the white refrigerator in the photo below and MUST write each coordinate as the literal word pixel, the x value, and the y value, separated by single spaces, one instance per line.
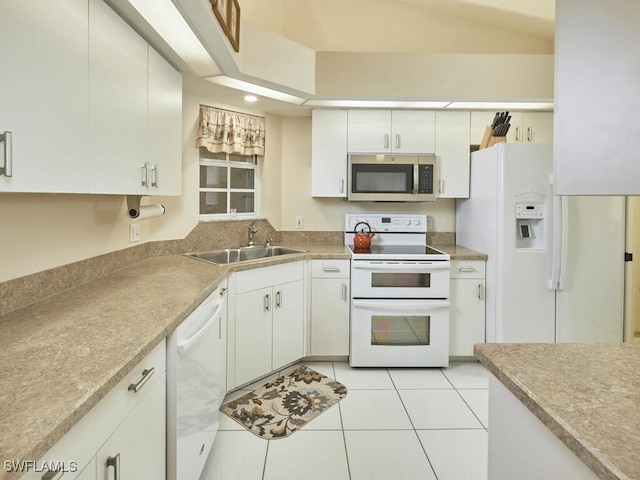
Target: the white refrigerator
pixel 555 268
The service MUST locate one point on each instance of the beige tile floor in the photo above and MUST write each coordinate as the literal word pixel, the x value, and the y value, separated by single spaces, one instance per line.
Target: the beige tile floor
pixel 402 424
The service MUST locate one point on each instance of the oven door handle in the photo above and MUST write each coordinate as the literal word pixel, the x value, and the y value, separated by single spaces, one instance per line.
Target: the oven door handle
pixel 426 266
pixel 408 305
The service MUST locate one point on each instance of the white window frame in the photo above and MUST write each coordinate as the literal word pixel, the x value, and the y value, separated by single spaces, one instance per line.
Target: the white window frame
pixel 228 164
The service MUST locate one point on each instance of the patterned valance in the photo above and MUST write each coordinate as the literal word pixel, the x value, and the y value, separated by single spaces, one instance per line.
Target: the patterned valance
pixel 230 132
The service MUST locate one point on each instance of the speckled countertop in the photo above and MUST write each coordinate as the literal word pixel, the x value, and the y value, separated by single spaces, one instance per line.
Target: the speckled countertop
pixel 588 395
pixel 61 355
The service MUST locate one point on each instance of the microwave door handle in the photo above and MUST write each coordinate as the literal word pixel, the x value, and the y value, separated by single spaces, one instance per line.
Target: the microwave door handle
pixel 416 178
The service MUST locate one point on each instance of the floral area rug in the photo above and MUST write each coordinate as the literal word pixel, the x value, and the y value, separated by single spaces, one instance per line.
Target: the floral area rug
pixel 279 408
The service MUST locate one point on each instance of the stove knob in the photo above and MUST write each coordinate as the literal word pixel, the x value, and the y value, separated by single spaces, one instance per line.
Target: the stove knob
pixel 416 222
pixel 408 222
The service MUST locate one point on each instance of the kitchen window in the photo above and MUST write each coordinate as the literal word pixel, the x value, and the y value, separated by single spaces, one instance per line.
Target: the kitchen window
pixel 228 185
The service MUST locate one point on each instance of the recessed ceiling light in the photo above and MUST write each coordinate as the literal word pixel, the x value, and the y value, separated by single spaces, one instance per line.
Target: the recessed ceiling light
pixel 250 98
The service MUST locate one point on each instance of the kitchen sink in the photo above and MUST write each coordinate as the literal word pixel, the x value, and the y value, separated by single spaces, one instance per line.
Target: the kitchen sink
pixel 243 254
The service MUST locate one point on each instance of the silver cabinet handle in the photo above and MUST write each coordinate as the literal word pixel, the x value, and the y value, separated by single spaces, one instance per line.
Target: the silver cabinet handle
pixel 223 291
pixel 386 140
pixel 146 375
pixel 529 134
pixel 267 302
pixel 115 463
pixel 344 292
pixel 517 134
pixel 145 174
pixel 53 474
pixel 219 328
pixel 278 299
pixel 397 140
pixel 7 170
pixel 480 292
pixel 330 269
pixel 154 175
pixel 440 186
pixel 341 187
pixel 467 269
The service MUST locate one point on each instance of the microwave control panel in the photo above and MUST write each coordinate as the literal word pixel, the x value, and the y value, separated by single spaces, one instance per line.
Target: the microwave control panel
pixel 425 178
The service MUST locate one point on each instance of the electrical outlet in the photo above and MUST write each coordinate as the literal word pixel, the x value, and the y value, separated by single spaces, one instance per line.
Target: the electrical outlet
pixel 299 222
pixel 134 232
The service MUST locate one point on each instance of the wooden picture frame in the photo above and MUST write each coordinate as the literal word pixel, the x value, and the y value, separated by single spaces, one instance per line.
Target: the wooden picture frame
pixel 221 9
pixel 234 24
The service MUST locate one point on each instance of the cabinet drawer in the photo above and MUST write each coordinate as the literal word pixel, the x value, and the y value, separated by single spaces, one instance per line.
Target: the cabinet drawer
pixel 257 278
pixel 71 453
pixel 467 268
pixel 112 409
pixel 330 268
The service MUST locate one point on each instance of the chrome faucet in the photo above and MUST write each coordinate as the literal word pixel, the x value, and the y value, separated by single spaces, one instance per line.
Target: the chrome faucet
pixel 252 230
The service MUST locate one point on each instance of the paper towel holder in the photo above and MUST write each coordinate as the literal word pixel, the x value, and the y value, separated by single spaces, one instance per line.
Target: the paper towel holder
pixel 135 211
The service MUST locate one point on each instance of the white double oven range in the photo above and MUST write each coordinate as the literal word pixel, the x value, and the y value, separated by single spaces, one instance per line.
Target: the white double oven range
pixel 399 294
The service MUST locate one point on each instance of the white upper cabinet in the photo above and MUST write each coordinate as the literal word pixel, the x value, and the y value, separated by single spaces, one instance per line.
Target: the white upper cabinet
pixel 90 107
pixel 164 126
pixel 526 127
pixel 329 153
pixel 387 131
pixel 117 103
pixel 597 74
pixel 452 153
pixel 43 95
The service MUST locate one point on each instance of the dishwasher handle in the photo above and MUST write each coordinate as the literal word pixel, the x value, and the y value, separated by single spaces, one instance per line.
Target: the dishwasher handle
pixel 186 344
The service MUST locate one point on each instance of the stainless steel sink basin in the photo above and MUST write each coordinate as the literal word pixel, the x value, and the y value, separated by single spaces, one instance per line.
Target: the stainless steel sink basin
pixel 242 254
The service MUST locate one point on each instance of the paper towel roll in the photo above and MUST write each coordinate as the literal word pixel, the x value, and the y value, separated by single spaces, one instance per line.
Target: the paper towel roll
pixel 146 211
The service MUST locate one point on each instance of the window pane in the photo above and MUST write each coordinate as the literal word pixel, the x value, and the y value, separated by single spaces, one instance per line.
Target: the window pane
pixel 213 177
pixel 242 202
pixel 242 178
pixel 236 157
pixel 213 202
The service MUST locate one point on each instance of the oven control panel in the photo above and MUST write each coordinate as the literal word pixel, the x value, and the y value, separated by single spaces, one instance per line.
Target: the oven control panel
pixel 380 222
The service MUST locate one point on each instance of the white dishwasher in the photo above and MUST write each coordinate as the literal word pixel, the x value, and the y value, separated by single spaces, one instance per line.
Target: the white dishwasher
pixel 196 385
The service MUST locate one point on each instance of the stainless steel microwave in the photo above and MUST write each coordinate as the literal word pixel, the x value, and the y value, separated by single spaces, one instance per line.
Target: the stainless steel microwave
pixel 391 178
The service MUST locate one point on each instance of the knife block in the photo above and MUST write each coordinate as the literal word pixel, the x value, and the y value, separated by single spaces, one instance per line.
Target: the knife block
pixel 488 140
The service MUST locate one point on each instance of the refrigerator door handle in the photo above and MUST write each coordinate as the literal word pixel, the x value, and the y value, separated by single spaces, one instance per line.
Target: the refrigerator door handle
pixel 564 253
pixel 556 250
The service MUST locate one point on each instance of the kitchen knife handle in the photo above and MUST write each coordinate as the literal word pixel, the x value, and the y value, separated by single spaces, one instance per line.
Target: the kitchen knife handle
pixel 7 170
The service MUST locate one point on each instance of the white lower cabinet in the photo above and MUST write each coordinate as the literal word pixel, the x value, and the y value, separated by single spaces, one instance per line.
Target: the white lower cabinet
pixel 123 433
pixel 267 317
pixel 467 311
pixel 330 295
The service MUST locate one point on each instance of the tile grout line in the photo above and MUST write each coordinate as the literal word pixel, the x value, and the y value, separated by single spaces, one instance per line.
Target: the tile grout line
pixel 344 438
pixel 415 432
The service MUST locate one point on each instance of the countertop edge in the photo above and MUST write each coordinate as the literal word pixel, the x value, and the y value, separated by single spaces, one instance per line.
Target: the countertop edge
pixel 599 465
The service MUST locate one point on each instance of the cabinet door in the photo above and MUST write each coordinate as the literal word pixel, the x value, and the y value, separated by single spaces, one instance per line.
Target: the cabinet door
pixel 369 131
pixel 453 155
pixel 537 127
pixel 413 131
pixel 466 315
pixel 43 95
pixel 253 334
pixel 329 153
pixel 221 346
pixel 165 126
pixel 288 323
pixel 117 103
pixel 330 316
pixel 137 447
